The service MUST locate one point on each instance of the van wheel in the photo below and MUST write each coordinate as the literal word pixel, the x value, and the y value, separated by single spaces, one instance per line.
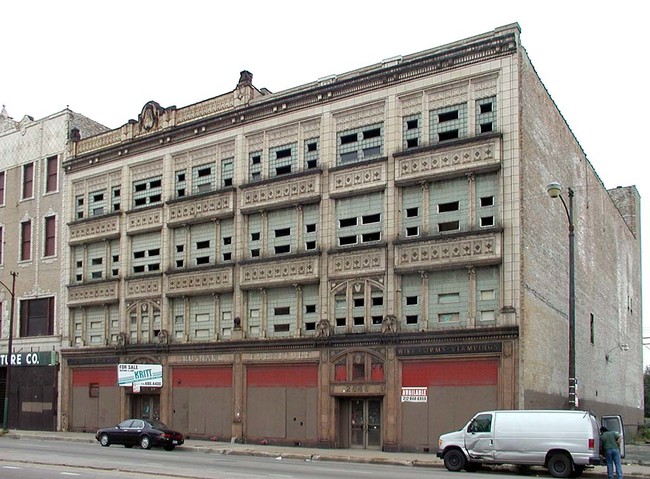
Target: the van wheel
pixel 577 471
pixel 454 460
pixel 560 465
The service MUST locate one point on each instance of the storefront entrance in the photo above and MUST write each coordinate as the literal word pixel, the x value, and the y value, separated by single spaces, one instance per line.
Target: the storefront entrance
pixel 145 406
pixel 365 423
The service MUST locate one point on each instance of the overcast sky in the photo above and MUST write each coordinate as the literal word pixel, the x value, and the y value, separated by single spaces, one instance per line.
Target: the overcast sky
pixel 107 59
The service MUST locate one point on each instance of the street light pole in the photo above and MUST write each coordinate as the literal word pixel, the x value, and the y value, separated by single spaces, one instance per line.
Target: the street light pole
pixel 554 190
pixel 12 292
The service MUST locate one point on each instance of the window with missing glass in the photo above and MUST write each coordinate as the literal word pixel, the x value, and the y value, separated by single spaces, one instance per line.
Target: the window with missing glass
pixel 255 166
pixel 283 160
pixel 147 192
pixel 145 253
pixel 486 115
pixel 203 178
pixel 359 219
pixel 448 123
pixel 412 129
pixel 227 172
pixel 360 144
pixel 311 153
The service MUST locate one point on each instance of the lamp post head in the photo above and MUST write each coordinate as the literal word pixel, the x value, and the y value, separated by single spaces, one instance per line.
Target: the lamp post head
pixel 554 189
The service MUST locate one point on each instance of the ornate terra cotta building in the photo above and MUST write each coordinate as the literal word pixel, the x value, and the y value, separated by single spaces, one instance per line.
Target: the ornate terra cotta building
pixel 362 261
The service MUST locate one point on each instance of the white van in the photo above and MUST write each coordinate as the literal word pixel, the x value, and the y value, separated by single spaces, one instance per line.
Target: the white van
pixel 563 441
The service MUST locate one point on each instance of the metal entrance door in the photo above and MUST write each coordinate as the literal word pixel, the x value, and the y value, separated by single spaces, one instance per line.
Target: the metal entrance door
pixel 365 423
pixel 145 406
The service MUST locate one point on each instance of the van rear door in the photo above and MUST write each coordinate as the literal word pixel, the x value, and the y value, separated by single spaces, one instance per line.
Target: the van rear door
pixel 615 423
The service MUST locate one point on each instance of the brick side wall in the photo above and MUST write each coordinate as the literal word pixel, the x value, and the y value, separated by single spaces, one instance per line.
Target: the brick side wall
pixel 607 275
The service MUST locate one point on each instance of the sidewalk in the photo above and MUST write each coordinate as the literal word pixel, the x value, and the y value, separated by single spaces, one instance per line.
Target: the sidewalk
pixel 636 463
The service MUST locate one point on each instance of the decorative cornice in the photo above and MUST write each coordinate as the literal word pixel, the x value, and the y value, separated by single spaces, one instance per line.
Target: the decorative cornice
pixel 112 145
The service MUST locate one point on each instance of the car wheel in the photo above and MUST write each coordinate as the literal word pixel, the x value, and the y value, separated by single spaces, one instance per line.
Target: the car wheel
pixel 560 465
pixel 169 447
pixel 145 442
pixel 454 460
pixel 104 440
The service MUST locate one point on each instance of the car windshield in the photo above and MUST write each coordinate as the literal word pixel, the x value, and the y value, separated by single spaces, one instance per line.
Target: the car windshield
pixel 157 424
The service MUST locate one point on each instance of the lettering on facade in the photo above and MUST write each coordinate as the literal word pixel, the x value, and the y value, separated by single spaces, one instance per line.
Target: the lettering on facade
pixel 282 356
pixel 201 358
pixel 358 389
pixel 449 349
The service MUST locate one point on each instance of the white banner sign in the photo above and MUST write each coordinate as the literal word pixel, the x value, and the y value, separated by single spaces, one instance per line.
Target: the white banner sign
pixel 415 394
pixel 139 375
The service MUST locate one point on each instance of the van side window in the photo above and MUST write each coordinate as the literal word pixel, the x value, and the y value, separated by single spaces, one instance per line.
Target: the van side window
pixel 481 423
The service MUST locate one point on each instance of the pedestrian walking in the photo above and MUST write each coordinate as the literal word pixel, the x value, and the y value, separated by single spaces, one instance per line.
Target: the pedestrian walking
pixel 610 442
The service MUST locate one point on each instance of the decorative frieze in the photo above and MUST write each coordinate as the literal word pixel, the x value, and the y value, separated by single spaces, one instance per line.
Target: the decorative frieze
pixel 98 142
pixel 205 108
pixel 147 170
pixel 93 230
pixel 357 263
pixel 360 117
pixel 370 177
pixel 441 253
pixel 297 190
pixel 281 272
pixel 149 219
pixel 93 293
pixel 424 165
pixel 199 282
pixel 218 205
pixel 448 96
pixel 145 287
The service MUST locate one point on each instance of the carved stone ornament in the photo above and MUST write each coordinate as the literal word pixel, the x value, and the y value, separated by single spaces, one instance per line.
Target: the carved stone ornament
pixel 149 116
pixel 389 324
pixel 323 328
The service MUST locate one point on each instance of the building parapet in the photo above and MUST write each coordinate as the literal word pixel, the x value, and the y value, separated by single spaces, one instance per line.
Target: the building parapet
pixel 199 282
pixel 362 178
pixel 272 274
pixel 467 250
pixel 474 155
pixel 357 262
pixel 149 219
pixel 269 195
pixel 94 229
pixel 87 294
pixel 143 287
pixel 197 209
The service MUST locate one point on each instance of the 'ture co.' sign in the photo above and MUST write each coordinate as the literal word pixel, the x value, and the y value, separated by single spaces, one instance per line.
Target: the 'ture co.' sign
pixel 42 358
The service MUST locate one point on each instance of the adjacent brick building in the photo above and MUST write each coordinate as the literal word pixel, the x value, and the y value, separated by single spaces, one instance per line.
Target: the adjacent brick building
pixel 32 244
pixel 362 261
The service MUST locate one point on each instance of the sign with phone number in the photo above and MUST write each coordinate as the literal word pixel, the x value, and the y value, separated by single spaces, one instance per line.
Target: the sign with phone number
pixel 140 375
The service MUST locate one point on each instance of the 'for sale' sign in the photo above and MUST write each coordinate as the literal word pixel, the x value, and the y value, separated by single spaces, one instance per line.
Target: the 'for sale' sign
pixel 142 375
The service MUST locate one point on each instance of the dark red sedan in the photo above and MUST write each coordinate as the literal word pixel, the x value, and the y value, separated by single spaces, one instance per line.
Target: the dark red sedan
pixel 140 432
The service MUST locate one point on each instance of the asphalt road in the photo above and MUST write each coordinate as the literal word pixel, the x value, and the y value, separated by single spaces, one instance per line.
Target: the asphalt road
pixel 35 459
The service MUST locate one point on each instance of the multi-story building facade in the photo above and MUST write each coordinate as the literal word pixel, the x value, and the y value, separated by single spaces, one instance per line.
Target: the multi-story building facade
pixel 363 261
pixel 32 245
